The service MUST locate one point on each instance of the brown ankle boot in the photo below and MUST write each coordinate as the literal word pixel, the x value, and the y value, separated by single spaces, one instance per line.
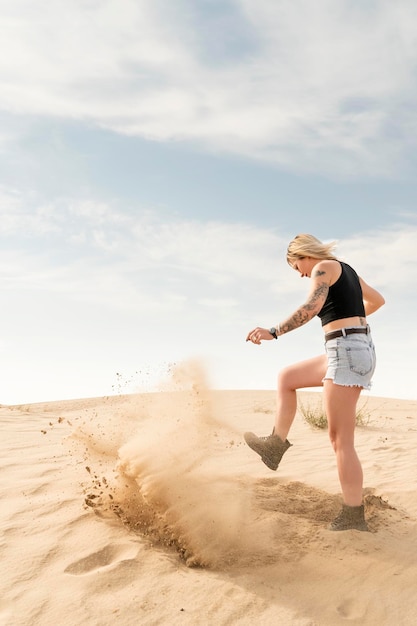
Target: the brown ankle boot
pixel 350 518
pixel 270 449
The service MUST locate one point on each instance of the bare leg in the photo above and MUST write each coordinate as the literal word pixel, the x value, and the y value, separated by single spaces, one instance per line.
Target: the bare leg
pixel 340 403
pixel 308 373
pixel 305 374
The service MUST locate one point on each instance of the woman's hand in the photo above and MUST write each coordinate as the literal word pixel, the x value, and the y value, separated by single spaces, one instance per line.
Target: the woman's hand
pixel 258 334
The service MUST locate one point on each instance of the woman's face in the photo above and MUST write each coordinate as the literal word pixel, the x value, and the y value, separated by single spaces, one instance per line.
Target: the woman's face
pixel 303 266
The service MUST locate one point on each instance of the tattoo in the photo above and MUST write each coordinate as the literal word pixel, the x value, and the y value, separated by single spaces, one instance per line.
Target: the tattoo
pixel 299 318
pixel 308 310
pixel 320 293
pixel 318 273
pixel 362 321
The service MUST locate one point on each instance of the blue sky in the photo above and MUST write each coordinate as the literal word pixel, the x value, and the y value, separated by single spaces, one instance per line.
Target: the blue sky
pixel 155 160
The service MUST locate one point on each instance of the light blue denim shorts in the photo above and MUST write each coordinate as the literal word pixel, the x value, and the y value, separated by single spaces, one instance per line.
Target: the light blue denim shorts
pixel 351 360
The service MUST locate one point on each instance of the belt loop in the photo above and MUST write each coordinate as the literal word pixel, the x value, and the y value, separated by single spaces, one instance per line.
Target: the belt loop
pixel 343 332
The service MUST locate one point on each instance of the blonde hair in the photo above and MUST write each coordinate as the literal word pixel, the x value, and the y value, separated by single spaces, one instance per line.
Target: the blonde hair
pixel 306 245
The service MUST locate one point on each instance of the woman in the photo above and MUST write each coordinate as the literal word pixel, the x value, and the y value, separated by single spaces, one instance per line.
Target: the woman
pixel 342 300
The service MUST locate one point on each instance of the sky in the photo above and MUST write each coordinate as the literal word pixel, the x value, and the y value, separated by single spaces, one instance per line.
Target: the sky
pixel 157 157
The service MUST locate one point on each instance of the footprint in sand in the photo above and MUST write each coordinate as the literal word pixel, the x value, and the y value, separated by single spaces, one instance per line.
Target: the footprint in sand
pixel 350 610
pixel 108 557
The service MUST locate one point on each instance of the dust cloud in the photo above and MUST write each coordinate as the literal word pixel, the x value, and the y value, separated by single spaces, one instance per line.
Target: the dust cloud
pixel 152 465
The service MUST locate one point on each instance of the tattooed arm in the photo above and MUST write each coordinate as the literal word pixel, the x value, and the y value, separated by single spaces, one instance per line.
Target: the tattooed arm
pixel 322 276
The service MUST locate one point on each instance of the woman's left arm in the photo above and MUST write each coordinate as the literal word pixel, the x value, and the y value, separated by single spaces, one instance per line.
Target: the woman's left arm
pixel 372 299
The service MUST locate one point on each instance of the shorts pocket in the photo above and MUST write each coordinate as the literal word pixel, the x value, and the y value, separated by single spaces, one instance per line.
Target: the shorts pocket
pixel 361 359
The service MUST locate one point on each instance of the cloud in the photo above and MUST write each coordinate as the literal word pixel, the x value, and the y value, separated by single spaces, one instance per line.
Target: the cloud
pixel 98 252
pixel 95 289
pixel 386 256
pixel 318 87
pixel 140 246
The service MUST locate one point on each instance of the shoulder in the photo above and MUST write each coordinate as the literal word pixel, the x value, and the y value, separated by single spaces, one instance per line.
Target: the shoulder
pixel 327 270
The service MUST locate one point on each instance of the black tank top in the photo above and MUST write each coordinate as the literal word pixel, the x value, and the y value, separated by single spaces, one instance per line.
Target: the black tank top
pixel 344 298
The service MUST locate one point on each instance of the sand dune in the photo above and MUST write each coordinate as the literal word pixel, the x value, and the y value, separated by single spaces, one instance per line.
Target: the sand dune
pixel 149 509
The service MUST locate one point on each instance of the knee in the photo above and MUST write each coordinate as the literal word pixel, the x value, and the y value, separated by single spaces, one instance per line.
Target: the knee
pixel 333 439
pixel 284 380
pixel 336 438
pixel 340 440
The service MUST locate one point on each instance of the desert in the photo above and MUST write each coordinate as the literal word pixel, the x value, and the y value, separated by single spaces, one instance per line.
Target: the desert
pixel 150 509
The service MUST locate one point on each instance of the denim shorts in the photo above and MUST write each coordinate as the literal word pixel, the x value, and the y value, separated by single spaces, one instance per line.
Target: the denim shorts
pixel 351 360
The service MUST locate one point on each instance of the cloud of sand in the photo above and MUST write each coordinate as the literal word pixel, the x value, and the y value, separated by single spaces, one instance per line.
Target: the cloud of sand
pixel 209 516
pixel 167 485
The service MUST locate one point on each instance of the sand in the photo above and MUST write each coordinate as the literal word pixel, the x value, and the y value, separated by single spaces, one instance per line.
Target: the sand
pixel 150 509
